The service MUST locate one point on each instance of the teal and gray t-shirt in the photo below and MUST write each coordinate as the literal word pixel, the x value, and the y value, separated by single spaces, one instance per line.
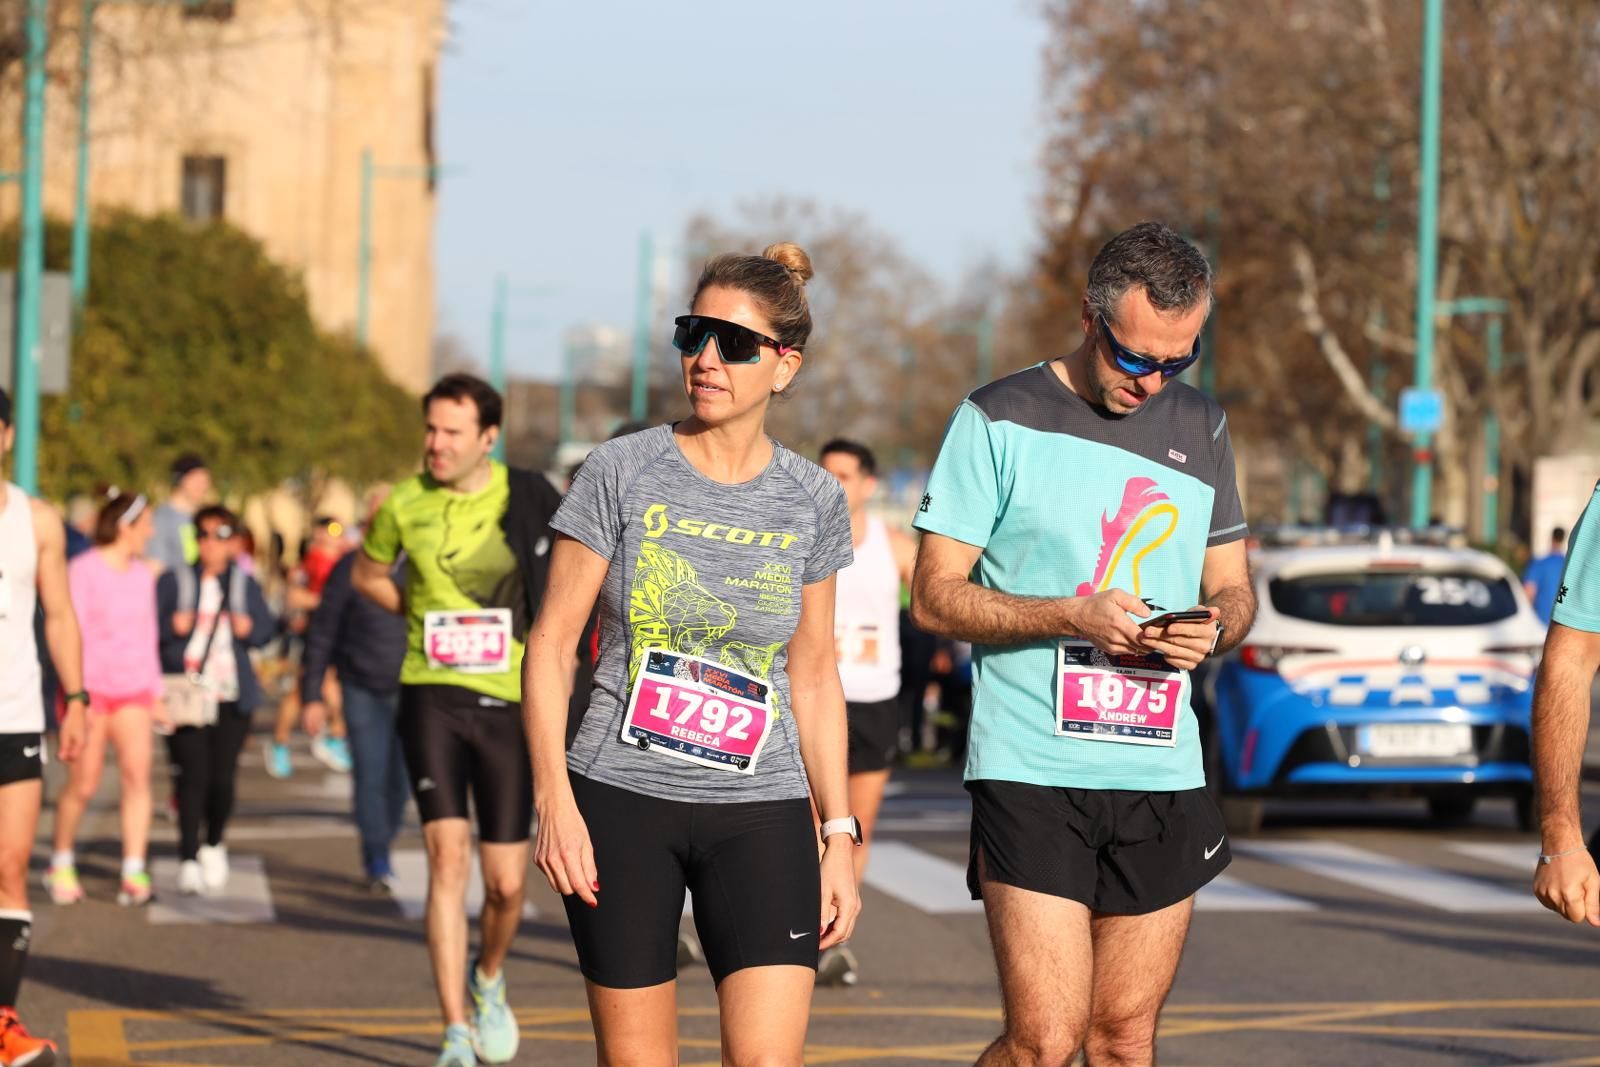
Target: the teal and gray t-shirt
pixel 704 568
pixel 1067 499
pixel 1578 596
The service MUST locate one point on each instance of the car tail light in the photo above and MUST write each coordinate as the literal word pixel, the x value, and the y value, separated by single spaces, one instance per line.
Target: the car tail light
pixel 1267 657
pixel 1535 653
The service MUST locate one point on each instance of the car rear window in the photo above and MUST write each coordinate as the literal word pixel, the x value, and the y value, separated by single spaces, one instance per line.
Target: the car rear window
pixel 1395 598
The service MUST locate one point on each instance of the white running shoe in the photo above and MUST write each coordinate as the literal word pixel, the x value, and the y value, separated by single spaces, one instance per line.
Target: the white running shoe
pixel 191 882
pixel 214 865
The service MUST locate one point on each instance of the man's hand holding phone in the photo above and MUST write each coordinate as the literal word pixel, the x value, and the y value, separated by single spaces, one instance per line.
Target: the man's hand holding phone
pixel 1183 638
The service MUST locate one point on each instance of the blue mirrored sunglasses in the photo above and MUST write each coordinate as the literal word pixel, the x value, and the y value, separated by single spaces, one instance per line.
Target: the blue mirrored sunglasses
pixel 1138 364
pixel 735 343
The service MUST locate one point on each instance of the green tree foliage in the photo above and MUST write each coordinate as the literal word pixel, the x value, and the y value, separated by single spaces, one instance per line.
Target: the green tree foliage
pixel 193 339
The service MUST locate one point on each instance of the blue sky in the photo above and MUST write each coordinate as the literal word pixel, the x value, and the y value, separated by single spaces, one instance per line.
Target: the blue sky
pixel 576 126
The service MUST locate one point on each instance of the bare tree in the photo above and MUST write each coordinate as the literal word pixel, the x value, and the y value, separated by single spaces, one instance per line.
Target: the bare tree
pixel 1286 135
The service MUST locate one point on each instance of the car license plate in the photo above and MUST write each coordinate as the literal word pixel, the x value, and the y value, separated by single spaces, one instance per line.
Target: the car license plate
pixel 1388 740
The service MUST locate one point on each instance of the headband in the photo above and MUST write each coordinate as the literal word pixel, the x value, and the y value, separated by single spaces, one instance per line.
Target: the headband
pixel 131 516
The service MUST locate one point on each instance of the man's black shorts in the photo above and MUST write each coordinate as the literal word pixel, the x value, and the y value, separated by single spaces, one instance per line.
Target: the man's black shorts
pixel 874 735
pixel 1117 851
pixel 21 758
pixel 458 742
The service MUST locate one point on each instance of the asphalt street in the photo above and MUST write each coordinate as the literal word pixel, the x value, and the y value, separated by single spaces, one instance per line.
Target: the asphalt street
pixel 1343 934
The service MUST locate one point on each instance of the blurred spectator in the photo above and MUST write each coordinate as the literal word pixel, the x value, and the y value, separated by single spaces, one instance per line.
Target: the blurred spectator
pixel 114 594
pixel 329 744
pixel 174 544
pixel 210 616
pixel 366 644
pixel 1542 579
pixel 328 546
pixel 82 511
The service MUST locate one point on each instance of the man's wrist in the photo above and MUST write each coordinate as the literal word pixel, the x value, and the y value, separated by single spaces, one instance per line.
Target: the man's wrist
pixel 1560 836
pixel 1069 614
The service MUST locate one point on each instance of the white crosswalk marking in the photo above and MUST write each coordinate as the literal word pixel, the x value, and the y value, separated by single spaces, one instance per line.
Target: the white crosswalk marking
pixel 247 898
pixel 927 882
pixel 1519 856
pixel 411 871
pixel 1393 877
pixel 1227 893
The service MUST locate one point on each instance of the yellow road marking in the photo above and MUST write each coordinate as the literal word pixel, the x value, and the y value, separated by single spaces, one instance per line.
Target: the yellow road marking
pixel 96 1038
pixel 99 1038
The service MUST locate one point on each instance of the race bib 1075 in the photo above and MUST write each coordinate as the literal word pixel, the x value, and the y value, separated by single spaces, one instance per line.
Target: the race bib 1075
pixel 1127 699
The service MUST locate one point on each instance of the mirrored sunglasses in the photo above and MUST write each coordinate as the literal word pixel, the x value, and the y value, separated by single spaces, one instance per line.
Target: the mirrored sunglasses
pixel 735 343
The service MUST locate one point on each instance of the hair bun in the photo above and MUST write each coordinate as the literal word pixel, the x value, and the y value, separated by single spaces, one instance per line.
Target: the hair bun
pixel 793 257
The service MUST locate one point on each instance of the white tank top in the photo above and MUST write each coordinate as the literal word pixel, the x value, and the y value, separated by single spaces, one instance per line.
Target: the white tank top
pixel 21 703
pixel 866 620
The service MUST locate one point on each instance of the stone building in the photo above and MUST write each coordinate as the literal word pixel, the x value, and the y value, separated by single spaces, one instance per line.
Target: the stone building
pixel 259 112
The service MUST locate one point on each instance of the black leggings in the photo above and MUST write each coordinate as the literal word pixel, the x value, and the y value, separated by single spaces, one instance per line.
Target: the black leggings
pixel 204 759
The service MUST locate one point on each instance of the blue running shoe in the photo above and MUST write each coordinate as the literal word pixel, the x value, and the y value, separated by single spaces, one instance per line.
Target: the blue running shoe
pixel 497 1035
pixel 279 763
pixel 456 1051
pixel 333 752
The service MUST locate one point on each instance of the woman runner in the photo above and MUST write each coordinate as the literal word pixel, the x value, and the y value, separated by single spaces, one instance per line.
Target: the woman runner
pixel 716 713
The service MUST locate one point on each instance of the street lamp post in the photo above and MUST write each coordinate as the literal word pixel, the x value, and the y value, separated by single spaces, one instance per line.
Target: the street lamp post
pixel 1495 310
pixel 80 210
pixel 30 268
pixel 371 171
pixel 983 329
pixel 80 214
pixel 497 342
pixel 1427 251
pixel 569 392
pixel 644 311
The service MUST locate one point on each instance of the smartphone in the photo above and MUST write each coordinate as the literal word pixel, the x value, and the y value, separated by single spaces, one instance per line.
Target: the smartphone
pixel 1194 615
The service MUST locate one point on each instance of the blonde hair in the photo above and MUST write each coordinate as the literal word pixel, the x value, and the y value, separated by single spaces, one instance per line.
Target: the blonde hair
pixel 776 280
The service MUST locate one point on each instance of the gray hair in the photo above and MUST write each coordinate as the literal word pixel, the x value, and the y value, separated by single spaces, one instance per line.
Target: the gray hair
pixel 1172 272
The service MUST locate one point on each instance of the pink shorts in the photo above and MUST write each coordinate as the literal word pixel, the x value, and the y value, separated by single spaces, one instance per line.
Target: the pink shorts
pixel 106 705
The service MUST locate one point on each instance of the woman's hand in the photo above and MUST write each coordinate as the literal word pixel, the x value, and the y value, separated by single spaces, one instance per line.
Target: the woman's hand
pixel 242 625
pixel 183 623
pixel 160 717
pixel 841 901
pixel 562 850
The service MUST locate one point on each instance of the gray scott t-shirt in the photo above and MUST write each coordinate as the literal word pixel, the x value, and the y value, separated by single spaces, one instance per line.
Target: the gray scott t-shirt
pixel 707 569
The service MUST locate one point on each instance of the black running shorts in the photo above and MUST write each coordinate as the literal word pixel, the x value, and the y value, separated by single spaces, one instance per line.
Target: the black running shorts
pixel 874 735
pixel 456 741
pixel 751 867
pixel 21 758
pixel 1117 851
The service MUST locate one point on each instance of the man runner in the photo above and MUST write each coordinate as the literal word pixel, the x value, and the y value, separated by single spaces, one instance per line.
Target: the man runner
pixel 33 574
pixel 1072 503
pixel 1565 879
pixel 476 540
pixel 866 625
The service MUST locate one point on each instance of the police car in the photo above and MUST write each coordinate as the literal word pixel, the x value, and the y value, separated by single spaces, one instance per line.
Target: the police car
pixel 1378 665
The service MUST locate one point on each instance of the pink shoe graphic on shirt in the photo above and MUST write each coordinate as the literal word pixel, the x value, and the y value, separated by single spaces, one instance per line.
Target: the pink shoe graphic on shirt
pixel 1143 502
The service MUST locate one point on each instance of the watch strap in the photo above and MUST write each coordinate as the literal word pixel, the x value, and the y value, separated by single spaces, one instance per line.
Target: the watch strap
pixel 848 824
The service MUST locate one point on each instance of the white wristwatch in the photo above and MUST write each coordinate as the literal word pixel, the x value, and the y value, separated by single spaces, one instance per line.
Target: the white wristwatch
pixel 849 824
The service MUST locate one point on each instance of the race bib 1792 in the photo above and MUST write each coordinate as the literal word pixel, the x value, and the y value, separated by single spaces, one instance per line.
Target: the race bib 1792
pixel 698 710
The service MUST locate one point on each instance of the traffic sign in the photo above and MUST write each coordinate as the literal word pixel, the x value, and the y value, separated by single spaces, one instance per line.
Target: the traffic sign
pixel 55 333
pixel 1421 410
